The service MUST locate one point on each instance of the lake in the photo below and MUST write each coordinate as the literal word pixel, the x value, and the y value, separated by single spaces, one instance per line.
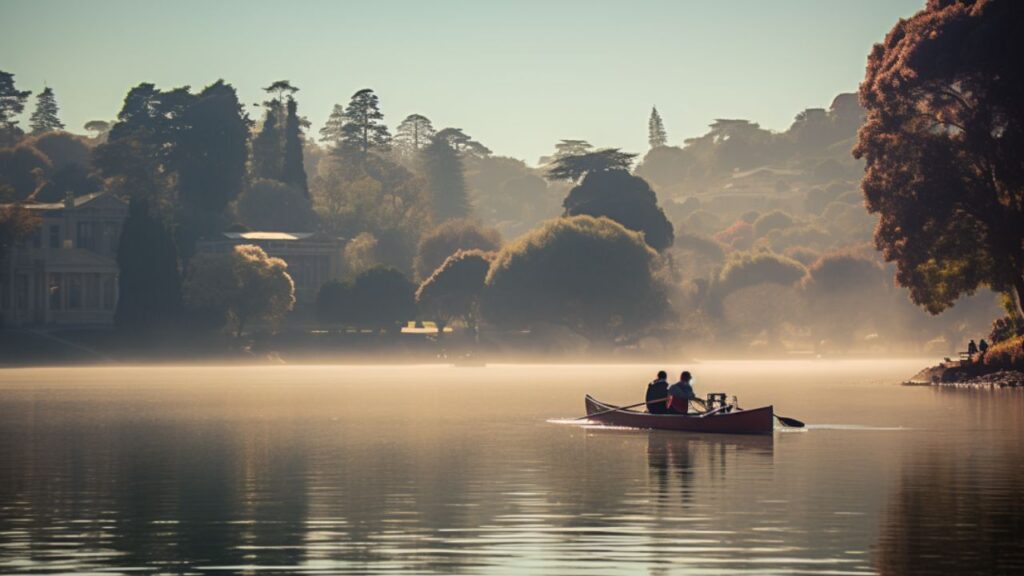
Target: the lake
pixel 444 470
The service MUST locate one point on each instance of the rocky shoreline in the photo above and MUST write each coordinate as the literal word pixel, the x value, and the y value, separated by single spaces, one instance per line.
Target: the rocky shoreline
pixel 955 374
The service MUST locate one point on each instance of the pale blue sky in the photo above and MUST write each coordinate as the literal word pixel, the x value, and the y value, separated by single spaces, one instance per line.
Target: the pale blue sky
pixel 518 76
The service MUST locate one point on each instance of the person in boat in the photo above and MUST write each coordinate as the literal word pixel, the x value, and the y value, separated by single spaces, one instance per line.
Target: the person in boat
pixel 657 391
pixel 680 394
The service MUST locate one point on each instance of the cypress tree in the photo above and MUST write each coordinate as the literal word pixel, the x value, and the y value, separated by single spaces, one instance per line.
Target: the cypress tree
pixel 149 283
pixel 266 146
pixel 656 135
pixel 446 182
pixel 44 118
pixel 293 172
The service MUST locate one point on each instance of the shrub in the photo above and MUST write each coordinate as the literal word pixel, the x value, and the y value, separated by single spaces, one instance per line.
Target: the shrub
pixel 1006 355
pixel 438 244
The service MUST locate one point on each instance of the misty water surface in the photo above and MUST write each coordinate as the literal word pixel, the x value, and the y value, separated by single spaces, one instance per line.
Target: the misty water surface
pixel 374 470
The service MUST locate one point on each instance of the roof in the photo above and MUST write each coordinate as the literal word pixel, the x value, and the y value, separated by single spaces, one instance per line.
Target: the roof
pixel 80 201
pixel 268 235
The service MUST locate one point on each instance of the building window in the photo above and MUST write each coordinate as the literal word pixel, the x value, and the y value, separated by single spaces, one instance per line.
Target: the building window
pixel 74 291
pixel 54 236
pixel 92 291
pixel 56 298
pixel 21 291
pixel 86 235
pixel 108 291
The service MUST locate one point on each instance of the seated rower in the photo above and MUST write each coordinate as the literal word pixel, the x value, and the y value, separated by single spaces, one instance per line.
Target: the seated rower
pixel 680 394
pixel 657 391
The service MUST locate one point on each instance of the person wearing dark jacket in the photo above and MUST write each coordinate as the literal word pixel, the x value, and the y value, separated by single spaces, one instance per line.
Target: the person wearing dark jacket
pixel 658 390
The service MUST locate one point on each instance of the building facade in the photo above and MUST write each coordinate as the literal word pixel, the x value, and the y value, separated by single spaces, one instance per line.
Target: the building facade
pixel 66 272
pixel 312 259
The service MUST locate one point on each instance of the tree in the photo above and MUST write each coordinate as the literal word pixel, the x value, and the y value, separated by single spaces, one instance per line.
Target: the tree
pixel 573 168
pixel 293 172
pixel 625 198
pixel 383 298
pixel 331 133
pixel 656 135
pixel 413 134
pixel 12 103
pixel 845 292
pixel 572 148
pixel 239 287
pixel 364 129
pixel 437 245
pixel 453 290
pixel 98 127
pixel 210 159
pixel 16 224
pixel 588 274
pixel 744 269
pixel 942 142
pixel 267 147
pixel 44 117
pixel 334 303
pixel 446 182
pixel 149 283
pixel 23 169
pixel 462 143
pixel 274 205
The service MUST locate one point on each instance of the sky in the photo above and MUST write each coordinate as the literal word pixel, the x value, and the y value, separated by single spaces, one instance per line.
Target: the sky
pixel 517 76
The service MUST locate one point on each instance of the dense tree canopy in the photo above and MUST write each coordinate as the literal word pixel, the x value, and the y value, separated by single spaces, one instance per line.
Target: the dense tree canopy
pixel 12 103
pixel 625 198
pixel 574 167
pixel 446 180
pixel 239 287
pixel 149 282
pixel 363 128
pixel 453 290
pixel 382 298
pixel 551 275
pixel 450 237
pixel 945 128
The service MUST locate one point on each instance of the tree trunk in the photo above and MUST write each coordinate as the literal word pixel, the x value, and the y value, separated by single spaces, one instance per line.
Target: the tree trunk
pixel 1018 285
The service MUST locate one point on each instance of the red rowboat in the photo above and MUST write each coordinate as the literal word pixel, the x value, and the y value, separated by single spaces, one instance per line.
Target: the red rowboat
pixel 738 421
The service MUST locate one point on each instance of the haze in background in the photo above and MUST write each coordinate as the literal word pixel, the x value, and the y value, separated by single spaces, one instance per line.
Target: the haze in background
pixel 520 75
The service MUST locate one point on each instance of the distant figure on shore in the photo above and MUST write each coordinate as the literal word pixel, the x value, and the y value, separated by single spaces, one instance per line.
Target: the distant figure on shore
pixel 982 346
pixel 657 390
pixel 972 348
pixel 680 394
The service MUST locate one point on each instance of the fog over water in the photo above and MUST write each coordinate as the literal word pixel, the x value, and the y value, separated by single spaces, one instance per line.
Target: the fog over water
pixel 437 469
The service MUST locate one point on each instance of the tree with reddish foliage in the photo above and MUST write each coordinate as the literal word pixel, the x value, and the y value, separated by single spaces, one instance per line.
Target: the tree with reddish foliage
pixel 944 95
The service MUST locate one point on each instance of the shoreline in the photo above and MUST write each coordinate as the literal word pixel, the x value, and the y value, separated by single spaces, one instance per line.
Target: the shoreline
pixel 954 374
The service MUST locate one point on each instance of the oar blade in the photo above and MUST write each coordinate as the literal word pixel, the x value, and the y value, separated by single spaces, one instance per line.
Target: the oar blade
pixel 791 422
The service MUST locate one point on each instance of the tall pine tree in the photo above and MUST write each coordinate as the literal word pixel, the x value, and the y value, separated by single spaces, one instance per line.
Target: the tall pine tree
pixel 364 129
pixel 446 182
pixel 656 135
pixel 293 172
pixel 12 103
pixel 413 134
pixel 44 117
pixel 331 132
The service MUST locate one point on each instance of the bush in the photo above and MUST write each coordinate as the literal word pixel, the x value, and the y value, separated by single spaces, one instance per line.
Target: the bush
pixel 749 268
pixel 774 220
pixel 1006 355
pixel 453 290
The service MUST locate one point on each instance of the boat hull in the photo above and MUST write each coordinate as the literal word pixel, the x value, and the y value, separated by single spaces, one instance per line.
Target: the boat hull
pixel 755 421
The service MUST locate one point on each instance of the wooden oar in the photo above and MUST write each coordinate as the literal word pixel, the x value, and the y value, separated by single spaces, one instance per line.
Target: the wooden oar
pixel 791 422
pixel 622 408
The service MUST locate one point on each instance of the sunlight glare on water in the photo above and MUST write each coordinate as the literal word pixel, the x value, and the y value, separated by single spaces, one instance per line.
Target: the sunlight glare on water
pixel 436 469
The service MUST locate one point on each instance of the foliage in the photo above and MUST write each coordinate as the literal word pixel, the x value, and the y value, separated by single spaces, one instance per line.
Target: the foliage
pixel 363 128
pixel 942 143
pixel 573 168
pixel 749 268
pixel 149 283
pixel 625 198
pixel 462 143
pixel 293 172
pixel 239 287
pixel 23 168
pixel 267 147
pixel 12 103
pixel 361 253
pixel 1006 355
pixel 16 224
pixel 382 298
pixel 656 135
pixel 572 148
pixel 274 205
pixel 1007 327
pixel 550 276
pixel 438 244
pixel 774 220
pixel 453 290
pixel 446 182
pixel 412 135
pixel 334 304
pixel 739 236
pixel 44 117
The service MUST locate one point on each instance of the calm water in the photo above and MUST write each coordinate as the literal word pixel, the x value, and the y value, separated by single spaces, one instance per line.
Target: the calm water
pixel 423 470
